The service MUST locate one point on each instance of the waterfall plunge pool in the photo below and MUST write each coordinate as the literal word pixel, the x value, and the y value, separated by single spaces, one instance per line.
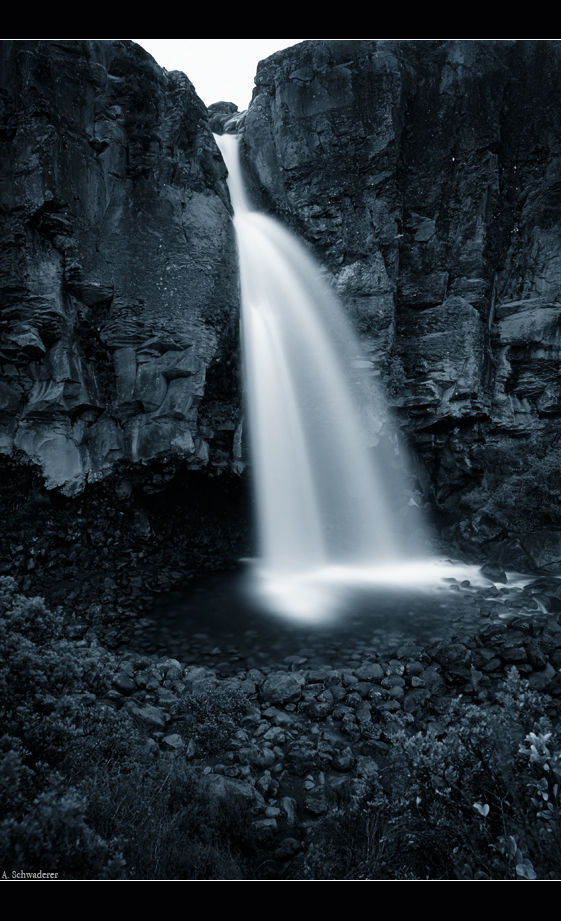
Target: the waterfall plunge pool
pixel 238 620
pixel 315 412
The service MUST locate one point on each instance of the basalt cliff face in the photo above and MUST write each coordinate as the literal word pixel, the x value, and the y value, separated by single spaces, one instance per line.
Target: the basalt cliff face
pixel 118 322
pixel 427 178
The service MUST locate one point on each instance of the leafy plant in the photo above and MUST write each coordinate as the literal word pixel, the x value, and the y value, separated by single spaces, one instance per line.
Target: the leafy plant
pixel 211 716
pixel 477 800
pixel 82 791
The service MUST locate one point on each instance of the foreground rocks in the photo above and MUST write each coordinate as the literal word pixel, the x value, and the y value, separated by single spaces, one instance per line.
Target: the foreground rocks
pixel 282 744
pixel 285 737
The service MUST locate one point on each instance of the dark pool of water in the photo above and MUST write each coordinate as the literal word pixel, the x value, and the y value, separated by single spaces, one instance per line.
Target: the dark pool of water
pixel 216 621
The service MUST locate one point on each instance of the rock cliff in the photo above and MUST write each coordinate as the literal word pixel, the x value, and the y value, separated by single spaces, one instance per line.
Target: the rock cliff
pixel 117 268
pixel 426 177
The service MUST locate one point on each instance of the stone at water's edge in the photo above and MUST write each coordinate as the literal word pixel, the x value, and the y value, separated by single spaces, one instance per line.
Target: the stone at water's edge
pixel 425 177
pixel 494 573
pixel 118 265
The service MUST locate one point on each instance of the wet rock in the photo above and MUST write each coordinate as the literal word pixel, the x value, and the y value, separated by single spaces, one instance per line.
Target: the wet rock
pixel 151 717
pixel 264 831
pixel 370 672
pixel 319 709
pixel 434 683
pixel 541 680
pixel 316 803
pixel 344 760
pixel 173 742
pixel 266 785
pixel 223 117
pixel 228 788
pixel 480 658
pixel 494 572
pixel 303 759
pixel 393 681
pixel 287 849
pixel 281 688
pixel 414 669
pixel 450 655
pixel 124 684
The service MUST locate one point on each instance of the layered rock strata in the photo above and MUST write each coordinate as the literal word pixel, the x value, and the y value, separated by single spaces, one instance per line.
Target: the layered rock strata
pixel 425 176
pixel 118 267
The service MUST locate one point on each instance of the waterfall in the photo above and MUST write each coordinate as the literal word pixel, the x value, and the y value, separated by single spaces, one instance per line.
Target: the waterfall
pixel 320 497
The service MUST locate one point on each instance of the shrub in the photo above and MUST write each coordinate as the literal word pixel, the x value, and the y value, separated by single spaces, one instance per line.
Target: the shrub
pixel 523 501
pixel 170 828
pixel 211 716
pixel 53 835
pixel 81 791
pixel 478 800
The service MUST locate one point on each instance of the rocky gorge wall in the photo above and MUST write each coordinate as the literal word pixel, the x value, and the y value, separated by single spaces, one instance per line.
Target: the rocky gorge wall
pixel 117 269
pixel 425 175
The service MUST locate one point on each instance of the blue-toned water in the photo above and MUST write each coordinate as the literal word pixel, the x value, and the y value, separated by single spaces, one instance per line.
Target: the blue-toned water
pixel 315 417
pixel 222 620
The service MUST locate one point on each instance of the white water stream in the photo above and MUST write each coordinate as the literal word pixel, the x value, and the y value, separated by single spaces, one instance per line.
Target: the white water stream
pixel 325 525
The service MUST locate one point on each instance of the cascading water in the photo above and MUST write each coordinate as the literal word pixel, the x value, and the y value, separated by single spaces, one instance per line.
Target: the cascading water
pixel 320 500
pixel 327 539
pixel 327 544
pixel 325 527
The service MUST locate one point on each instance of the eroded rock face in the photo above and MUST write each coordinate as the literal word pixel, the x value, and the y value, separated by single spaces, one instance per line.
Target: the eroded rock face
pixel 118 266
pixel 425 175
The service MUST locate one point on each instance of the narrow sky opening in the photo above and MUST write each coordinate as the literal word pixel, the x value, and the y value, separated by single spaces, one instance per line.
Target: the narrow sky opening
pixel 219 68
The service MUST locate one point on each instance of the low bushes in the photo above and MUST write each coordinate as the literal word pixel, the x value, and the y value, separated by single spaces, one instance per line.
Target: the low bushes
pixel 475 798
pixel 87 791
pixel 82 790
